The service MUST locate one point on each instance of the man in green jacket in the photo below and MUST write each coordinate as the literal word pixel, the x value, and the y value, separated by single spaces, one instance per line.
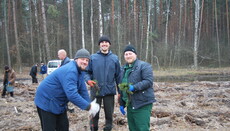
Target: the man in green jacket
pixel 138 94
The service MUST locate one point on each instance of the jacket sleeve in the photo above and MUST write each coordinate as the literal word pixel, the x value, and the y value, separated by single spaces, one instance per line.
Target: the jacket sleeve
pixel 117 74
pixel 84 92
pixel 31 71
pixel 121 102
pixel 12 77
pixel 72 91
pixel 88 74
pixel 146 77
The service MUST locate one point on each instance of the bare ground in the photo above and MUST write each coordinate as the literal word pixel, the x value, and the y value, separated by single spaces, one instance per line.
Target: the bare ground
pixel 180 106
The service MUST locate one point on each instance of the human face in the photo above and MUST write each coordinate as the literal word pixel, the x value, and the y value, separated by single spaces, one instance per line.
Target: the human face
pixel 130 57
pixel 104 46
pixel 82 63
pixel 62 54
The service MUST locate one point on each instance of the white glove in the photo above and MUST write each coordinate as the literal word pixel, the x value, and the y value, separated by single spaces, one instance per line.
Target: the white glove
pixel 94 108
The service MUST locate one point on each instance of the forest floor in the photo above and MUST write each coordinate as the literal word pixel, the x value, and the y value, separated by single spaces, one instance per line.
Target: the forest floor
pixel 182 104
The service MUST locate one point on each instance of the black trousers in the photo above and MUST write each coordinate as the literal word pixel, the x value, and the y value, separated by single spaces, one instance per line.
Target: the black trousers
pixel 53 122
pixel 108 102
pixel 34 79
pixel 4 92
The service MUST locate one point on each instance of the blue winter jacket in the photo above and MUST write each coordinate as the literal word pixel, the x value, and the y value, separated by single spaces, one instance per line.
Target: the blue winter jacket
pixel 43 69
pixel 141 77
pixel 63 85
pixel 65 61
pixel 105 69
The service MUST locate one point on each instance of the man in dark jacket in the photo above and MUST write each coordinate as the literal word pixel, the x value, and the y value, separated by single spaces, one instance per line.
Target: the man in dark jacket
pixel 62 55
pixel 56 90
pixel 33 73
pixel 8 81
pixel 138 96
pixel 103 78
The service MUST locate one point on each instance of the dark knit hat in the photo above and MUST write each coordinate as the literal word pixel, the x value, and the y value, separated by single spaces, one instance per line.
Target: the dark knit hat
pixel 130 48
pixel 104 38
pixel 7 67
pixel 82 53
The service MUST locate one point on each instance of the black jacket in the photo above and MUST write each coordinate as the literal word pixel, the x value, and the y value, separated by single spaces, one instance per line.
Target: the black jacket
pixel 33 71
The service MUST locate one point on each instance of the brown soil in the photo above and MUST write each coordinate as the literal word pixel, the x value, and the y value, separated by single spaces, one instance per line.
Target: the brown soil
pixel 180 106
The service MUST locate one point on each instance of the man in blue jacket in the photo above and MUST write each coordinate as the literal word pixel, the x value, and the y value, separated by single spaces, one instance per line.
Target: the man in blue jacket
pixel 43 70
pixel 56 90
pixel 62 55
pixel 103 78
pixel 138 95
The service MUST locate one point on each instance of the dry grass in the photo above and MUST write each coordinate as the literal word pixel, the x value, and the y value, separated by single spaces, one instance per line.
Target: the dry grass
pixel 182 72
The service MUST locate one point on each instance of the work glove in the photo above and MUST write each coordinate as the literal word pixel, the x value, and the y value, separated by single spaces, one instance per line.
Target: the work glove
pixel 122 109
pixel 131 88
pixel 91 83
pixel 94 108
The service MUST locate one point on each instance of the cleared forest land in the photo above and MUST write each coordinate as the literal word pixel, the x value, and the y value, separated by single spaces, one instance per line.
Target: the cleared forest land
pixel 181 104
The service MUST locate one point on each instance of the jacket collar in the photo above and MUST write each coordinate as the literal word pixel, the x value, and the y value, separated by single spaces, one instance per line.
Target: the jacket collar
pixel 99 52
pixel 78 68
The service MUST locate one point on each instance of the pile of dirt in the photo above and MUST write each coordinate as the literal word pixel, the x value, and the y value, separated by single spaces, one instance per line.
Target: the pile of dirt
pixel 180 106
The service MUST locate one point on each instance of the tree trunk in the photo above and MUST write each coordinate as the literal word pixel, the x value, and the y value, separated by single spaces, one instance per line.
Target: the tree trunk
pixel 228 26
pixel 185 20
pixel 144 28
pixel 178 47
pixel 191 22
pixel 6 35
pixel 70 27
pixel 19 62
pixel 58 36
pixel 127 17
pixel 38 31
pixel 217 35
pixel 148 27
pixel 197 18
pixel 155 15
pixel 74 33
pixel 123 22
pixel 100 19
pixel 119 30
pixel 201 20
pixel 82 25
pixel 31 33
pixel 135 21
pixel 166 31
pixel 159 22
pixel 91 23
pixel 112 21
pixel 46 41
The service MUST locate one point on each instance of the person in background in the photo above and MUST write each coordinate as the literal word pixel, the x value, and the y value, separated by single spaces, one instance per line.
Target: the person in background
pixel 33 73
pixel 43 70
pixel 103 78
pixel 56 90
pixel 62 55
pixel 8 81
pixel 139 96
